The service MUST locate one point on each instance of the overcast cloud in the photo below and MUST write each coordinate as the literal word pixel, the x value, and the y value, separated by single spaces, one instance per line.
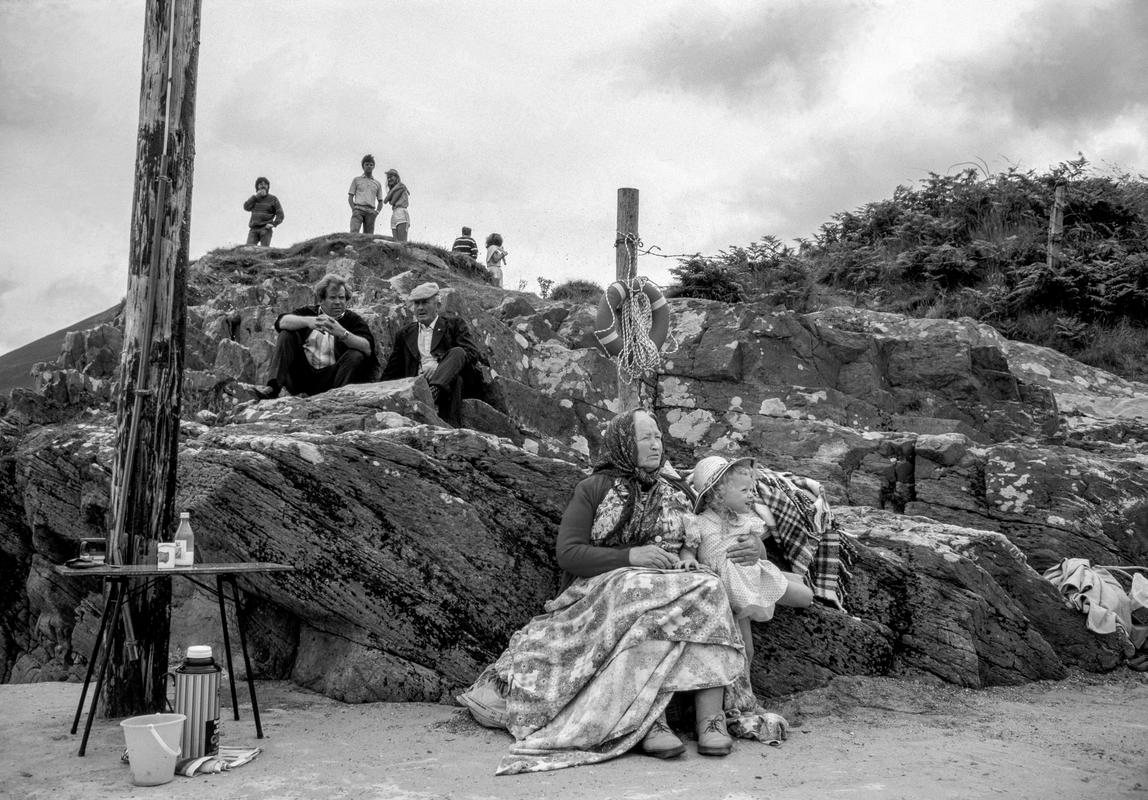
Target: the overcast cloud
pixel 733 119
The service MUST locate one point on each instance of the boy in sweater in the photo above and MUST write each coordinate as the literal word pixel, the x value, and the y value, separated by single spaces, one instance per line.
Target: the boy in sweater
pixel 266 213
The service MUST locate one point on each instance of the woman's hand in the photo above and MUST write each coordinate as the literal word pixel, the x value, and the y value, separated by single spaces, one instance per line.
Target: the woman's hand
pixel 688 563
pixel 649 555
pixel 746 550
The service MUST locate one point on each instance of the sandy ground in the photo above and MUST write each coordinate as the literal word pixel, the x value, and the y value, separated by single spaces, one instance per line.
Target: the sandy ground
pixel 1086 737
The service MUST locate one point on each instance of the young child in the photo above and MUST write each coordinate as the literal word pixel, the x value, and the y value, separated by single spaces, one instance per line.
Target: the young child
pixel 495 257
pixel 723 515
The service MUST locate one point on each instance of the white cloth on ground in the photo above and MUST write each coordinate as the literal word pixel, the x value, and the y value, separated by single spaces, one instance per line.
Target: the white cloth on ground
pixel 1095 592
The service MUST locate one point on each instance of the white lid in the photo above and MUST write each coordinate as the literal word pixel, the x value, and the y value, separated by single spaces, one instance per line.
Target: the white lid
pixel 185 515
pixel 199 651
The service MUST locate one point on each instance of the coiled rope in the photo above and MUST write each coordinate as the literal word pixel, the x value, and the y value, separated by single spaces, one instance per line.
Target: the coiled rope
pixel 634 319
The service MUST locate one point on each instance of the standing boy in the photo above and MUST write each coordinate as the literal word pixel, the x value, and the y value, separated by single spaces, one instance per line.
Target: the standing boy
pixel 365 197
pixel 266 213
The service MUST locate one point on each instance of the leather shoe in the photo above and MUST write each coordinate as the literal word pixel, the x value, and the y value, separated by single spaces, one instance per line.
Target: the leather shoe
pixel 268 392
pixel 713 739
pixel 660 741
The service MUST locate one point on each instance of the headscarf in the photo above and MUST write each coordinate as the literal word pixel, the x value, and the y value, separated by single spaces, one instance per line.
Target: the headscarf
pixel 645 494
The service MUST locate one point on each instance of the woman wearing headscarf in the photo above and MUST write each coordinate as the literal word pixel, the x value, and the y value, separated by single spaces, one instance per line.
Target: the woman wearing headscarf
pixel 591 678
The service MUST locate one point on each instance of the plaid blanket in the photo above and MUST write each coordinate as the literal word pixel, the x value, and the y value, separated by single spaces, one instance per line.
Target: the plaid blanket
pixel 805 531
pixel 584 681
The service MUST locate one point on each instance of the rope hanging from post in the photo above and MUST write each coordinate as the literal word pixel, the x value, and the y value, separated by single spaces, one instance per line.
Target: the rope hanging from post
pixel 635 322
pixel 633 319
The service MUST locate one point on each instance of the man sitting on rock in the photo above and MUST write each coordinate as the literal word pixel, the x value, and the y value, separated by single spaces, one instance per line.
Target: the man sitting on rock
pixel 465 245
pixel 438 348
pixel 321 347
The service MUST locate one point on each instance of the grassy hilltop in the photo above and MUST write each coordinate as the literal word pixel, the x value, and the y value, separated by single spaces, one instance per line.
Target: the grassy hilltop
pixel 971 244
pixel 975 245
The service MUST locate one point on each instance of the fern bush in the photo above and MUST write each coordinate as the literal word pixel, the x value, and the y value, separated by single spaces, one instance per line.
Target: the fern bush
pixel 579 291
pixel 765 270
pixel 971 244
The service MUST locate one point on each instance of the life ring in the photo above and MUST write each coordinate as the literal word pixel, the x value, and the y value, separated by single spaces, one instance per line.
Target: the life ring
pixel 607 322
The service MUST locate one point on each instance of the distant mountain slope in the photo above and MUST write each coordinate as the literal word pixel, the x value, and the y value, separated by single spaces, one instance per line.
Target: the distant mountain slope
pixel 16 366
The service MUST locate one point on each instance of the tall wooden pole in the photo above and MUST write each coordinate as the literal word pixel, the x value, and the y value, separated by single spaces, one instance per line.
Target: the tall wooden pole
pixel 151 364
pixel 1056 224
pixel 626 266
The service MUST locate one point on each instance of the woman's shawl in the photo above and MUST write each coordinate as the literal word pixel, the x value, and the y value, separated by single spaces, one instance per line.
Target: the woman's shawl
pixel 626 519
pixel 633 505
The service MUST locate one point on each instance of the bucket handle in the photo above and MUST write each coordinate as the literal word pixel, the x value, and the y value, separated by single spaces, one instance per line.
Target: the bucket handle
pixel 167 701
pixel 163 745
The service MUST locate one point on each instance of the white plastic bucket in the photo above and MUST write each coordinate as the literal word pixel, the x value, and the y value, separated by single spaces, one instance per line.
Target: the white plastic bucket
pixel 153 746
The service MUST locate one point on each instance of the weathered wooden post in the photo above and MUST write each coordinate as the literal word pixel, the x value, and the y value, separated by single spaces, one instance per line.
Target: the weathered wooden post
pixel 151 364
pixel 626 267
pixel 1056 223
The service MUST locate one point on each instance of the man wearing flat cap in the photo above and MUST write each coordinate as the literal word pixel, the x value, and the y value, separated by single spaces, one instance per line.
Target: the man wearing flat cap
pixel 437 347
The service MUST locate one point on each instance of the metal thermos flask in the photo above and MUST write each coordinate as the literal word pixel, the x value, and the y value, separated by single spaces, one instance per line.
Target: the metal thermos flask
pixel 197 697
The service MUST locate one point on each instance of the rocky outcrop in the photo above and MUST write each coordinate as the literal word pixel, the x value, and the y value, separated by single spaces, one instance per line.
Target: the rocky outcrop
pixel 420 548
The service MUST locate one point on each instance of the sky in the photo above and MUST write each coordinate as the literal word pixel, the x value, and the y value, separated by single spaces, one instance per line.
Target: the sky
pixel 733 119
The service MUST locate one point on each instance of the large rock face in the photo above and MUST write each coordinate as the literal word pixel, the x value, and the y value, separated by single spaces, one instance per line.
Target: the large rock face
pixel 960 464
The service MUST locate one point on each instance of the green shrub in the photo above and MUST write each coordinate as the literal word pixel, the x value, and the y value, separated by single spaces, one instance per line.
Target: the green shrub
pixel 971 244
pixel 706 279
pixel 578 291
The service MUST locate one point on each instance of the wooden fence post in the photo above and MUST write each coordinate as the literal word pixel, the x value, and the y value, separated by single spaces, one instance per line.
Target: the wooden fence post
pixel 626 268
pixel 1056 223
pixel 151 364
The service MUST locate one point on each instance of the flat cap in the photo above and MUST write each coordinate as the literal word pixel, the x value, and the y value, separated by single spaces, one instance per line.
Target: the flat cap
pixel 424 291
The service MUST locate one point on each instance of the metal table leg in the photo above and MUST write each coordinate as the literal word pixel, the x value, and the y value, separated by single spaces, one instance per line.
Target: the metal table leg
pixel 120 590
pixel 219 579
pixel 246 659
pixel 108 605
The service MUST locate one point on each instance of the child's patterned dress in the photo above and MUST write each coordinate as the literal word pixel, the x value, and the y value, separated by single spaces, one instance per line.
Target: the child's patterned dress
pixel 753 589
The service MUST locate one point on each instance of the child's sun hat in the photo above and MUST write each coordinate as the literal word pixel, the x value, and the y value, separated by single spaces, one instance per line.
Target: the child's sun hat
pixel 709 471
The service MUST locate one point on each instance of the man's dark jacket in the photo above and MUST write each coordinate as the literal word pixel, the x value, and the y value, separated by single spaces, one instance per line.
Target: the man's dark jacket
pixel 448 332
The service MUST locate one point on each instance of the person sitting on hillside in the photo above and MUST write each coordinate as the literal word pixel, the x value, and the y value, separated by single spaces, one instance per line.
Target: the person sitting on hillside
pixel 437 347
pixel 321 347
pixel 465 244
pixel 266 213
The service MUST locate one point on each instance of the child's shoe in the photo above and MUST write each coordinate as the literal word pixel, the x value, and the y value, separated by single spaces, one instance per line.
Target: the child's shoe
pixel 713 739
pixel 660 741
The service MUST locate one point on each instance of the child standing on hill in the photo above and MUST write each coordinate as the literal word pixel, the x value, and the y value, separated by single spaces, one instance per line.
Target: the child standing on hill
pixel 266 213
pixel 724 514
pixel 400 200
pixel 495 257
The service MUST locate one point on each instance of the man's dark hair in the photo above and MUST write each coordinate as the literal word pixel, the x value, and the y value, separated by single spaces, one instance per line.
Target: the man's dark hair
pixel 262 180
pixel 366 158
pixel 465 231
